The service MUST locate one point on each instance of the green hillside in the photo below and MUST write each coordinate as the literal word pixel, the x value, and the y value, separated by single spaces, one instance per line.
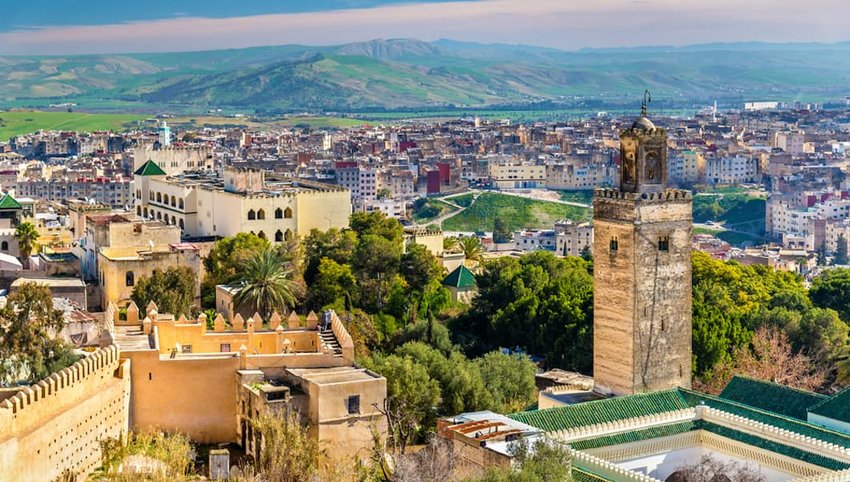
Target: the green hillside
pixel 392 74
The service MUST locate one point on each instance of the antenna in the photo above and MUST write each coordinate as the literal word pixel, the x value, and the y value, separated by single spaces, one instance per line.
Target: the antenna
pixel 647 98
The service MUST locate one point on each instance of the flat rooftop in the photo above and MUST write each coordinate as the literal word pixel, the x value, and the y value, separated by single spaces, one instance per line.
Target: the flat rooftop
pixel 131 338
pixel 51 282
pixel 328 376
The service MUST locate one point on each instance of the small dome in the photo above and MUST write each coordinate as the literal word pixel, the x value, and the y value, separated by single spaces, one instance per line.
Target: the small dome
pixel 643 124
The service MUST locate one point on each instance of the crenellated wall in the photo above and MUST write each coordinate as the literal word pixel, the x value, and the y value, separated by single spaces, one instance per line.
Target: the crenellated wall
pixel 55 425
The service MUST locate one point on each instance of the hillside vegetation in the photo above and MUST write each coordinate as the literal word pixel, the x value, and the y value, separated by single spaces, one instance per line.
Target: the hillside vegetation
pixel 393 74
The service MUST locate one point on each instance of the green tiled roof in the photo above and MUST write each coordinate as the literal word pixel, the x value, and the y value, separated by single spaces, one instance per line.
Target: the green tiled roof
pixel 836 407
pixel 792 452
pixel 770 396
pixel 635 436
pixel 600 411
pixel 582 475
pixel 149 168
pixel 8 202
pixel 460 278
pixel 777 420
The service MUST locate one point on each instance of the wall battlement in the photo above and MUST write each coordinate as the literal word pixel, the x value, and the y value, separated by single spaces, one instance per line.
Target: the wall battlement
pixel 55 426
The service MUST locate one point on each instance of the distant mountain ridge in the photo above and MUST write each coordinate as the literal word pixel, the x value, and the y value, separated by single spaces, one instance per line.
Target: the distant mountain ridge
pixel 409 73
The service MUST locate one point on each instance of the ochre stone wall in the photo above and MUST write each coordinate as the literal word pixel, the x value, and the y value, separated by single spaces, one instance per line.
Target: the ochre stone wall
pixel 55 425
pixel 642 293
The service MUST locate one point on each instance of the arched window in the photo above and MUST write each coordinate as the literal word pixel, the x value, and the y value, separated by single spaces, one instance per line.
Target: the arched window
pixel 174 220
pixel 278 236
pixel 288 213
pixel 262 235
pixel 138 210
pixel 181 224
pixel 261 214
pixel 173 201
pixel 4 246
pixel 614 245
pixel 150 195
pixel 159 197
pixel 130 278
pixel 180 202
pixel 252 215
pixel 664 243
pixel 146 212
pixel 278 213
pixel 287 235
pixel 159 216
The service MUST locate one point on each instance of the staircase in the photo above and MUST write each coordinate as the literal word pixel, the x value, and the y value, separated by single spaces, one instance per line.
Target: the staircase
pixel 329 340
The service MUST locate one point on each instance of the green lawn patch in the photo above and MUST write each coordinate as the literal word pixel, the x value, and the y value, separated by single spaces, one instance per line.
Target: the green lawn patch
pixel 517 212
pixel 15 123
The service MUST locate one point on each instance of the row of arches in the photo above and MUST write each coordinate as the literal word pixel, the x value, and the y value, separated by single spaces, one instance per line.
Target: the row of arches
pixel 172 219
pixel 279 236
pixel 165 198
pixel 260 214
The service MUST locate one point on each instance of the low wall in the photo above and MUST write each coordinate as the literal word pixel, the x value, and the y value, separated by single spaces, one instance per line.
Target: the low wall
pixel 55 425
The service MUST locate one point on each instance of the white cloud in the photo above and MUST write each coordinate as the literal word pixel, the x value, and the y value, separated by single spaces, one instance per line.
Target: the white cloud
pixel 566 24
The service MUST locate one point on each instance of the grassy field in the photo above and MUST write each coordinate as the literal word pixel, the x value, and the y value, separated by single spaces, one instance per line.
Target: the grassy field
pixel 517 212
pixel 13 123
pixel 584 197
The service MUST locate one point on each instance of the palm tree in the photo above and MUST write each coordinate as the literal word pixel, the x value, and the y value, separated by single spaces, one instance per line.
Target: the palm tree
pixel 26 235
pixel 266 284
pixel 451 243
pixel 472 248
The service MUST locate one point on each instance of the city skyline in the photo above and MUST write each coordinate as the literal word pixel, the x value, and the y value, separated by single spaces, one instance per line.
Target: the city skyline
pixel 102 27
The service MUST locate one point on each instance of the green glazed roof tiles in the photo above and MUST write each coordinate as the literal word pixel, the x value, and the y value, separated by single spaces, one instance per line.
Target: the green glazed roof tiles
pixel 836 407
pixel 600 411
pixel 8 202
pixel 460 278
pixel 149 168
pixel 770 396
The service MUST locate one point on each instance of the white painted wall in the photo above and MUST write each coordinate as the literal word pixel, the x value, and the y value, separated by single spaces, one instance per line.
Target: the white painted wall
pixel 660 466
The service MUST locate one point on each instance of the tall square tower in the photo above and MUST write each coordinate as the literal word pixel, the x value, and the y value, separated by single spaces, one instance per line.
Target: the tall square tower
pixel 642 272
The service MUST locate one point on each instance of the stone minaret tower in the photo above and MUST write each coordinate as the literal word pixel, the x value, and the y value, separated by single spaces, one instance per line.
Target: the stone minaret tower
pixel 642 272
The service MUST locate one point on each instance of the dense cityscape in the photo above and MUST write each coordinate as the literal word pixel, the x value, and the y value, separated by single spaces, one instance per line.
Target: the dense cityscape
pixel 400 260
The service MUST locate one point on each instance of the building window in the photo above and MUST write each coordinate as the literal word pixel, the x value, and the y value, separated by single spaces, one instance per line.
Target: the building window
pixel 261 235
pixel 278 213
pixel 287 213
pixel 130 279
pixel 278 236
pixel 664 243
pixel 159 197
pixel 225 348
pixel 173 201
pixel 252 215
pixel 614 245
pixel 287 235
pixel 354 404
pixel 186 349
pixel 261 214
pixel 180 202
pixel 4 246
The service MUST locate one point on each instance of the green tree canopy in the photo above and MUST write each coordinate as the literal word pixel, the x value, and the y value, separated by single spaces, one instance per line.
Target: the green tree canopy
pixel 29 350
pixel 538 302
pixel 378 224
pixel 334 284
pixel 225 260
pixel 832 290
pixel 172 290
pixel 501 231
pixel 510 380
pixel 332 244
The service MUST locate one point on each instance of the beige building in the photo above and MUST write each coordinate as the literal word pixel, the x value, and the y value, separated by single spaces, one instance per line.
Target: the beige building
pixel 175 159
pixel 517 176
pixel 239 201
pixel 303 364
pixel 122 267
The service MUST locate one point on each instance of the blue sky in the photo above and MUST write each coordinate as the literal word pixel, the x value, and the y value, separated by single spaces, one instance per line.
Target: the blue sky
pixel 18 14
pixel 116 26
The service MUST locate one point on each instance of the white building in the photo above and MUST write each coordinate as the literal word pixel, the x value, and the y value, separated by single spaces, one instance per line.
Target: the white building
pixel 571 238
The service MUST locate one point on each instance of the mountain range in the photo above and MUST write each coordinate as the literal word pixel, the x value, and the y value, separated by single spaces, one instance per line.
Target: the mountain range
pixel 411 74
